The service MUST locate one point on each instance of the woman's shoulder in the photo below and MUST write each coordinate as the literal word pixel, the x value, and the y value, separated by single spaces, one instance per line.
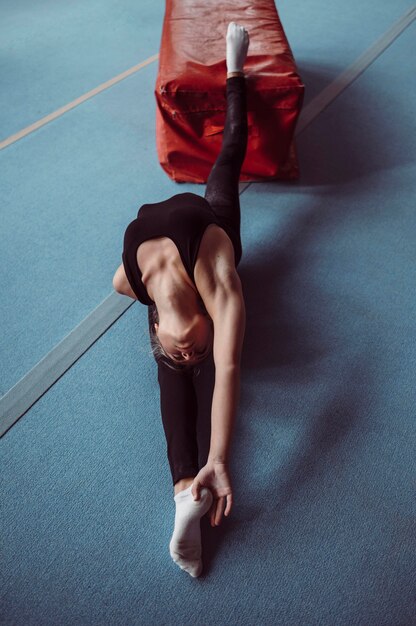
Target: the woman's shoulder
pixel 216 260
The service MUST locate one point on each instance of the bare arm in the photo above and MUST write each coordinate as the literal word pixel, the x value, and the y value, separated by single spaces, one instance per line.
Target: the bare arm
pixel 121 283
pixel 227 310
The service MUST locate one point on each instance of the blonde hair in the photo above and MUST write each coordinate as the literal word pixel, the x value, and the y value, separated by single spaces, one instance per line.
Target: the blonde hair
pixel 158 350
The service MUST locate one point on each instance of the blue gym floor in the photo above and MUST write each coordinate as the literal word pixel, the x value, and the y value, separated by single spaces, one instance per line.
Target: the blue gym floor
pixel 323 525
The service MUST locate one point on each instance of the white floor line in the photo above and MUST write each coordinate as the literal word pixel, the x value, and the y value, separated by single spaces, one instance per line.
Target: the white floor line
pixel 75 103
pixel 18 400
pixel 328 95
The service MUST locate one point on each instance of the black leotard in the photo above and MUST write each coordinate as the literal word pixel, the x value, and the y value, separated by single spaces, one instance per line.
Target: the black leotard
pixel 183 218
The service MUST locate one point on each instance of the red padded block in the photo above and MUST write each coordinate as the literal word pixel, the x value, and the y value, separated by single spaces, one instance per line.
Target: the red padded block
pixel 190 90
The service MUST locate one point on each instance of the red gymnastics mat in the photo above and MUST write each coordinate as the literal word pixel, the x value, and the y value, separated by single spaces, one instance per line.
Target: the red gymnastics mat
pixel 190 90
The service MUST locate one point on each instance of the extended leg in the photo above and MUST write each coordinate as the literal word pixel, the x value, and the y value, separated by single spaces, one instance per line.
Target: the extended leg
pixel 179 414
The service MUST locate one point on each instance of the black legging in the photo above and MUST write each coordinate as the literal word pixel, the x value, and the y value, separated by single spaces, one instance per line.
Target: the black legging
pixel 186 396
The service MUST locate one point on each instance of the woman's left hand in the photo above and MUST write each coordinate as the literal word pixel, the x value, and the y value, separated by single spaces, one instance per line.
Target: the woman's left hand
pixel 215 476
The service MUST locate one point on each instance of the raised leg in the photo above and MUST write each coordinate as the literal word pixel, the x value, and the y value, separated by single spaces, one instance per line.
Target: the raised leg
pixel 222 185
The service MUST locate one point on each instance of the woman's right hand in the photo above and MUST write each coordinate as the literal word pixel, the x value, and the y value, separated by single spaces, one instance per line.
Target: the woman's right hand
pixel 215 476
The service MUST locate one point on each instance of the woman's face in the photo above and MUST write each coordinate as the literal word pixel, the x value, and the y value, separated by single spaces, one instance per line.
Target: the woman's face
pixel 189 341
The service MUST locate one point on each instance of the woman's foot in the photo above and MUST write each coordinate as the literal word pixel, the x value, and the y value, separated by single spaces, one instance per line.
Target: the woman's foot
pixel 237 45
pixel 185 545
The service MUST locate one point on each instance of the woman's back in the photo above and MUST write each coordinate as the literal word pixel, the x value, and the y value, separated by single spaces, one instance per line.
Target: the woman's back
pixel 184 220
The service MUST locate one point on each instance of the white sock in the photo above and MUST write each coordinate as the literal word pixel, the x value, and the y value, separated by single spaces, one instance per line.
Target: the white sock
pixel 237 45
pixel 185 545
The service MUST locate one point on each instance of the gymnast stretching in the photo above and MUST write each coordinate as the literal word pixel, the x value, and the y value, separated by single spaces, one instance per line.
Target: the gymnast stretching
pixel 179 258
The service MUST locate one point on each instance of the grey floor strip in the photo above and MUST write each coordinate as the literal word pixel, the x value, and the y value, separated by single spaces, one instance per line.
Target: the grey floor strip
pixel 344 80
pixel 44 374
pixel 18 400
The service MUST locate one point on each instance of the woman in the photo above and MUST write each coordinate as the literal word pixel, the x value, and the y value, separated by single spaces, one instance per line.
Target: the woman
pixel 180 258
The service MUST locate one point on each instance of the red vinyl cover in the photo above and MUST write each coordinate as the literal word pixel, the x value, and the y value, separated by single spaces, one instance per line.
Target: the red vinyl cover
pixel 190 90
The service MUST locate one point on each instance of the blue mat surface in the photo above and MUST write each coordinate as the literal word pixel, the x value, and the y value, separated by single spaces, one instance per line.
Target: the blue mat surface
pixel 323 526
pixel 74 186
pixel 55 51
